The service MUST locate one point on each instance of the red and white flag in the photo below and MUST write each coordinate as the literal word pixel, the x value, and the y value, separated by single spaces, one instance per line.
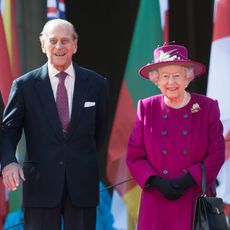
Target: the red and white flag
pixel 9 70
pixel 55 9
pixel 219 83
pixel 164 9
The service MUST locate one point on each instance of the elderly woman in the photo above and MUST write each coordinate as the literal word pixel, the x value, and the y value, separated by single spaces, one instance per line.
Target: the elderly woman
pixel 174 133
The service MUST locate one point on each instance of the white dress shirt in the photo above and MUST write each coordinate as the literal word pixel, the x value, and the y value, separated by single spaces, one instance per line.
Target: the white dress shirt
pixel 69 83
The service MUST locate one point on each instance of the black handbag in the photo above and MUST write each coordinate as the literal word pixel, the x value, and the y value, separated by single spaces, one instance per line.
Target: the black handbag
pixel 209 213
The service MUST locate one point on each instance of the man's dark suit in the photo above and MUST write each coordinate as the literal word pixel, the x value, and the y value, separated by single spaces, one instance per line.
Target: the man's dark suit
pixel 51 156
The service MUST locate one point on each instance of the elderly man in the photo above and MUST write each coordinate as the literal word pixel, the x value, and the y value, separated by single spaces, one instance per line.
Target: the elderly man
pixel 63 109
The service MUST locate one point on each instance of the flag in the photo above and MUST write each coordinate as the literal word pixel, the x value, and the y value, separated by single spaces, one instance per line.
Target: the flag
pixel 55 9
pixel 9 70
pixel 5 66
pixel 3 204
pixel 146 36
pixel 164 19
pixel 219 82
pixel 9 20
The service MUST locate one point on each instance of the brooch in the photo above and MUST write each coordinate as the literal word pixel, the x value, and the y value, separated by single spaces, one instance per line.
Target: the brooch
pixel 195 108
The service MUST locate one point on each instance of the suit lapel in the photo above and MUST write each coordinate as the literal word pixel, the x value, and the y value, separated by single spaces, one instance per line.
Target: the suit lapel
pixel 80 92
pixel 43 87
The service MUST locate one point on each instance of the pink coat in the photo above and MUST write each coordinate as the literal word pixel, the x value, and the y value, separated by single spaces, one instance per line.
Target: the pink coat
pixel 170 142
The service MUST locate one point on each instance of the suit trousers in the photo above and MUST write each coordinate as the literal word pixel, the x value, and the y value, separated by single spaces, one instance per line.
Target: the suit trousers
pixel 64 215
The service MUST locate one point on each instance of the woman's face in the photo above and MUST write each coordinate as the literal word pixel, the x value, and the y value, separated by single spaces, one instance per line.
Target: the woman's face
pixel 172 81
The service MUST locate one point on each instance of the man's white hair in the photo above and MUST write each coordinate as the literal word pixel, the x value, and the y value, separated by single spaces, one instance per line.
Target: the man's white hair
pixel 54 22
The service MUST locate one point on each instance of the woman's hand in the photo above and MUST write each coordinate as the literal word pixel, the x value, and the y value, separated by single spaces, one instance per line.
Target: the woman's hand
pixel 183 183
pixel 165 188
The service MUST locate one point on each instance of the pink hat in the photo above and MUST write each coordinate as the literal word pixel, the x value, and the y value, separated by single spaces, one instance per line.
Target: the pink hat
pixel 171 54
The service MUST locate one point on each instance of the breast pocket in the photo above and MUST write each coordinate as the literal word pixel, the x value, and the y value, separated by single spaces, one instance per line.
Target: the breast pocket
pixel 90 112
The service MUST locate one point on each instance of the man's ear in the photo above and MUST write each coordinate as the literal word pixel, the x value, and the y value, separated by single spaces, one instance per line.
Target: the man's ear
pixel 75 50
pixel 43 47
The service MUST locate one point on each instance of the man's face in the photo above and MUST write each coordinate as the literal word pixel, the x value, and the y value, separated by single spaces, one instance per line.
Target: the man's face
pixel 59 45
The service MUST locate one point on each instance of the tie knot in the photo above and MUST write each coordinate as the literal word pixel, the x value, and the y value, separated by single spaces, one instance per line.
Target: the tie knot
pixel 61 76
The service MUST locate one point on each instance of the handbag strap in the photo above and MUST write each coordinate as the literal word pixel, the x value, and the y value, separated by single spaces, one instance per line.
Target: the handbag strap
pixel 203 178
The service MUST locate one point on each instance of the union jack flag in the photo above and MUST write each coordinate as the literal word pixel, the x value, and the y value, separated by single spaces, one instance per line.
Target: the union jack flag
pixel 55 9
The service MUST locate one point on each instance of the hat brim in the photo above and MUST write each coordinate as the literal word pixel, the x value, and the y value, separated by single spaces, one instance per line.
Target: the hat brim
pixel 199 68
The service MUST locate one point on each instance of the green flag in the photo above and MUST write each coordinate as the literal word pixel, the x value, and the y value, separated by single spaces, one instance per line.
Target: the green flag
pixel 146 36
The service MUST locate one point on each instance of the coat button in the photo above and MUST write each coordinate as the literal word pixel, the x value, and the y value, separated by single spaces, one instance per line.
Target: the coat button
pixel 164 133
pixel 185 116
pixel 164 151
pixel 61 163
pixel 184 171
pixel 185 151
pixel 165 171
pixel 184 132
pixel 165 116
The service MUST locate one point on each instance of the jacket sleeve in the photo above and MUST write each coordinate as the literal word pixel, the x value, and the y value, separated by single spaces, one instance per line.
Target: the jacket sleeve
pixel 1 107
pixel 215 154
pixel 137 160
pixel 11 128
pixel 102 115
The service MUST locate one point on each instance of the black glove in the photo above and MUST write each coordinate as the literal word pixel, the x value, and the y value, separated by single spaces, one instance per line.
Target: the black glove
pixel 164 187
pixel 183 183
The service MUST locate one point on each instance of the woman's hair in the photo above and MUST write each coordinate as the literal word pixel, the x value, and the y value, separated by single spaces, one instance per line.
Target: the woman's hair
pixel 189 72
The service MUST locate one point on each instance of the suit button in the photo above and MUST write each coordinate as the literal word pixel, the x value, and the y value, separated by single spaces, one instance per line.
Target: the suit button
pixel 185 116
pixel 165 116
pixel 185 151
pixel 164 151
pixel 184 132
pixel 184 171
pixel 164 133
pixel 165 171
pixel 61 163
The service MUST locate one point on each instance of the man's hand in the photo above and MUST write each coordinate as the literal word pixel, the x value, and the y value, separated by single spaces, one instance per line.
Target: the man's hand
pixel 12 174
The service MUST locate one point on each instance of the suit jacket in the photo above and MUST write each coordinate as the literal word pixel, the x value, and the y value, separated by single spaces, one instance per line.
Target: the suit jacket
pixel 51 157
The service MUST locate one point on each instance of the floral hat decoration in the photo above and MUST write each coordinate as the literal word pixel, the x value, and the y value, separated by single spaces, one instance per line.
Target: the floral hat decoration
pixel 171 54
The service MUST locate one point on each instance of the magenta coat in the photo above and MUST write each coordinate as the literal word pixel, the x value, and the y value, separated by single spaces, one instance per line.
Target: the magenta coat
pixel 170 142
